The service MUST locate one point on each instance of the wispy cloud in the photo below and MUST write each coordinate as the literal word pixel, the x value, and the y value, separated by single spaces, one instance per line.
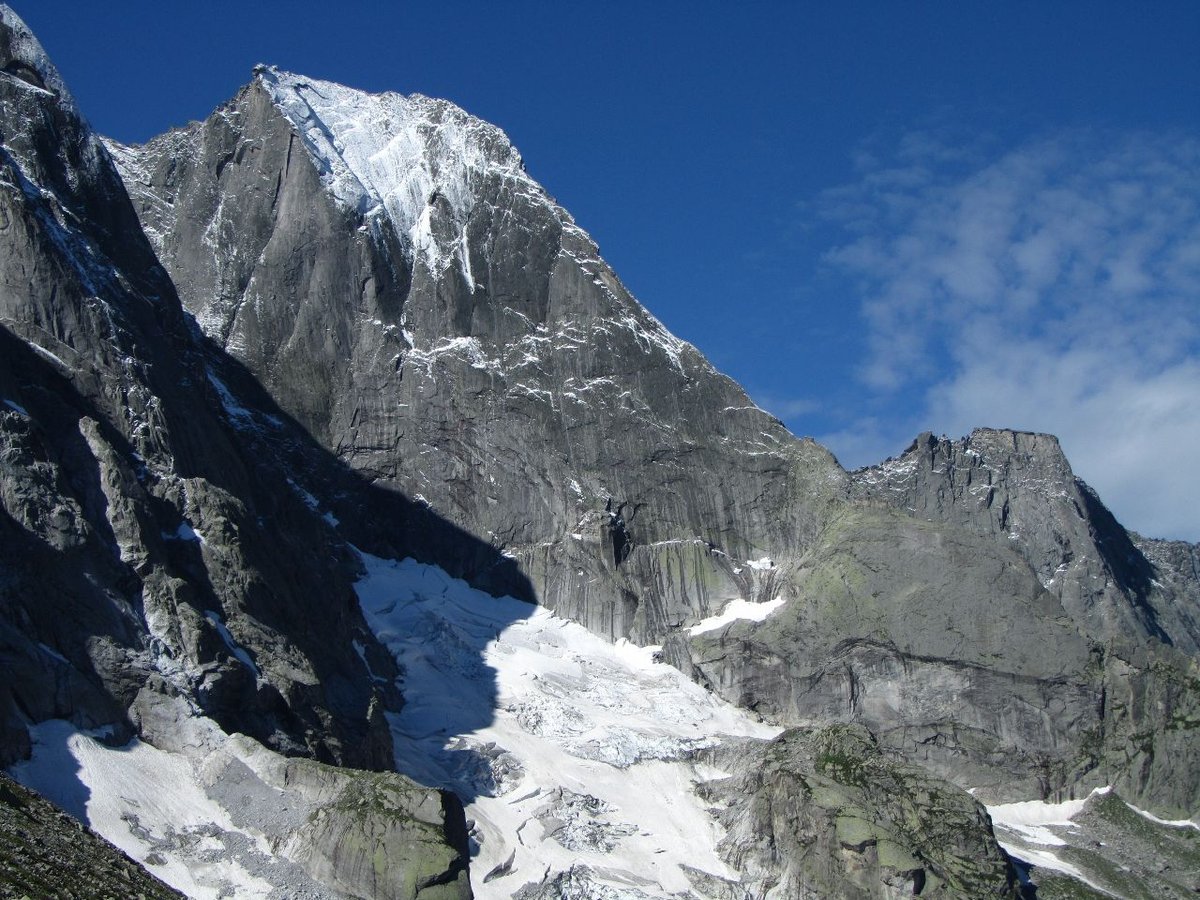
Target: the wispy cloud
pixel 786 407
pixel 1053 287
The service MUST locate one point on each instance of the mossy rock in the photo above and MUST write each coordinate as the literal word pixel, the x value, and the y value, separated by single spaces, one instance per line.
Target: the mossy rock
pixel 838 818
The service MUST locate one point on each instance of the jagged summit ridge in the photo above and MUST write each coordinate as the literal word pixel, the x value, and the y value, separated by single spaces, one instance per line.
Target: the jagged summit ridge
pixel 422 162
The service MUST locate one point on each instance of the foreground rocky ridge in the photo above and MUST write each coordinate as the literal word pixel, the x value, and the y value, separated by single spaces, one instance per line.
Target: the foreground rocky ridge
pixel 824 813
pixel 220 816
pixel 46 853
pixel 391 308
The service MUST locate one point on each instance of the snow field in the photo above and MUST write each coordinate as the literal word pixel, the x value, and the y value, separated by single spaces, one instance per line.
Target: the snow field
pixel 150 803
pixel 566 748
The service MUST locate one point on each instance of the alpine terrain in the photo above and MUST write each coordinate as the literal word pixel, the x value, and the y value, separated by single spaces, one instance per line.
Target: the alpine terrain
pixel 362 536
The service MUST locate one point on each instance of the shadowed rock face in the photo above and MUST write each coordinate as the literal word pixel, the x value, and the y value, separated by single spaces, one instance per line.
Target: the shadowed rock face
pixel 144 541
pixel 161 558
pixel 397 282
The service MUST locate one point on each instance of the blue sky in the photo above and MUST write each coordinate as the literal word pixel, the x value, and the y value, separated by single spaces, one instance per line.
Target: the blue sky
pixel 881 218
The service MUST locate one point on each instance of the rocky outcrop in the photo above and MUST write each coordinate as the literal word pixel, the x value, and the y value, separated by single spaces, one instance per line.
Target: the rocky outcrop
pixel 370 835
pixel 887 629
pixel 953 652
pixel 384 837
pixel 1018 488
pixel 824 814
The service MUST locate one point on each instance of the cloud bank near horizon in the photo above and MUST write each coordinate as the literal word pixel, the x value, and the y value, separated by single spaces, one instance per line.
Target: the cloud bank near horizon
pixel 1054 286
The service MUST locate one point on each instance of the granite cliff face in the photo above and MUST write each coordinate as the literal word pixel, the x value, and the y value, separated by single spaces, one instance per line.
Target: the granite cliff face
pixel 387 269
pixel 155 565
pixel 247 365
pixel 448 329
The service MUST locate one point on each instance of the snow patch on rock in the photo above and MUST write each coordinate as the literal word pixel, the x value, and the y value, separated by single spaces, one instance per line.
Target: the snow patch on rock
pixel 737 610
pixel 388 154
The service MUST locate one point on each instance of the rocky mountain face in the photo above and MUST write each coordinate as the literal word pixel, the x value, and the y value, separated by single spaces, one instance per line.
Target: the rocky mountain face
pixel 243 363
pixel 450 331
pixel 155 565
pixel 971 602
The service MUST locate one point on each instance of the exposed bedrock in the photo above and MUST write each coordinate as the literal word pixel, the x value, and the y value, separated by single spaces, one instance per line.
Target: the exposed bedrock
pixel 824 813
pixel 389 272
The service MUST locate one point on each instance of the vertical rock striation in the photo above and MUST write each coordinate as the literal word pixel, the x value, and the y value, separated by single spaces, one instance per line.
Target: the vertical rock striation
pixel 388 270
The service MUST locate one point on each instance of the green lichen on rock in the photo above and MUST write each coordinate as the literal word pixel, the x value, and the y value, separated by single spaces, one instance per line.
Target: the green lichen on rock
pixel 1111 849
pixel 1151 728
pixel 825 813
pixel 383 836
pixel 1056 886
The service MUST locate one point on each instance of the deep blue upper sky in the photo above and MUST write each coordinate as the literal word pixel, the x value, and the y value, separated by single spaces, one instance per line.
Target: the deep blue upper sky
pixel 879 217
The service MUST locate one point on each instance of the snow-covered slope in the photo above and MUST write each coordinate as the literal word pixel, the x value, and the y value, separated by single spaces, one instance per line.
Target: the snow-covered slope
pixel 387 154
pixel 587 758
pixel 572 754
pixel 160 809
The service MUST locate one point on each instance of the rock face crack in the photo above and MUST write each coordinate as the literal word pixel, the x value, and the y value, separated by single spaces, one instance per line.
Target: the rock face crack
pixel 618 532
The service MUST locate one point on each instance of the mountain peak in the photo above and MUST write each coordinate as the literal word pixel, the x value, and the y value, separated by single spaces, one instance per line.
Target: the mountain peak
pixel 397 156
pixel 23 57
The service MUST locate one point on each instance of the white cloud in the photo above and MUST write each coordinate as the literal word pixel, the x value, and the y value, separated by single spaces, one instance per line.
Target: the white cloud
pixel 1053 287
pixel 785 407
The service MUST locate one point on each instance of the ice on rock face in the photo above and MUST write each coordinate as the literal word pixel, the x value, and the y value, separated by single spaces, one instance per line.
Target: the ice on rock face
pixel 423 165
pixel 388 154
